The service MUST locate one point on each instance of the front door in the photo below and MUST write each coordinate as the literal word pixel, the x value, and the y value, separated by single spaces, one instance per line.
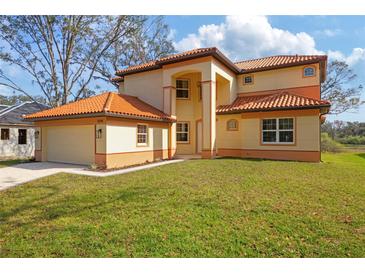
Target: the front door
pixel 199 136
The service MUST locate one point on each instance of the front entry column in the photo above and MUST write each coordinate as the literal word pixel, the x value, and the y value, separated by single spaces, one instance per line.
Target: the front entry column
pixel 169 107
pixel 209 118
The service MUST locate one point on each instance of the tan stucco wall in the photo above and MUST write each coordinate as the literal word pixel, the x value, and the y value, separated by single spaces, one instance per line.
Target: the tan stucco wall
pixel 122 137
pixel 226 138
pixel 229 94
pixel 189 111
pixel 134 158
pixel 147 86
pixel 101 142
pixel 307 134
pixel 278 79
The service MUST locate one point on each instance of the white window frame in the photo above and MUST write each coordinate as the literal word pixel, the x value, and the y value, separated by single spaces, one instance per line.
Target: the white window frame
pixel 309 67
pixel 277 130
pixel 232 128
pixel 142 134
pixel 183 132
pixel 244 79
pixel 186 89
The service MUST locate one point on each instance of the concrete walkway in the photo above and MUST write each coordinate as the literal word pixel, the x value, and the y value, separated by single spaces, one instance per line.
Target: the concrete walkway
pixel 23 173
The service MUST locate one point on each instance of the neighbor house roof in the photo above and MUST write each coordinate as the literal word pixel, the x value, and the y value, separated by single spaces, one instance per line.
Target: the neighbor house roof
pixel 3 108
pixel 279 101
pixel 266 63
pixel 13 115
pixel 105 104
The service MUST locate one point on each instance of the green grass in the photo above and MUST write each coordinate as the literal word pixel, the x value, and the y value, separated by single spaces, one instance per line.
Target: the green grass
pixel 7 163
pixel 198 208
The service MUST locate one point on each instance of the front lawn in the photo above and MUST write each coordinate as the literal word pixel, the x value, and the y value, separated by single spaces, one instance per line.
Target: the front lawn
pixel 198 208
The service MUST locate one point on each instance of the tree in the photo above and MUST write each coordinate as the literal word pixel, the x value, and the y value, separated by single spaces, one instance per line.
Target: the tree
pixel 20 98
pixel 335 88
pixel 64 54
pixel 150 41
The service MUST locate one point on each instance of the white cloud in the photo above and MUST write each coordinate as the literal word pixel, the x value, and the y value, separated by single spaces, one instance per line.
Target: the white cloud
pixel 357 55
pixel 328 32
pixel 243 37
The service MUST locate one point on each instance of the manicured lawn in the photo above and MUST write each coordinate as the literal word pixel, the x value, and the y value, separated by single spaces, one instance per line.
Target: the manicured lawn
pixel 11 162
pixel 198 208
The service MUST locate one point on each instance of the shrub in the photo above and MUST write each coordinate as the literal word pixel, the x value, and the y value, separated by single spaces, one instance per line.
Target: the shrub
pixel 328 144
pixel 352 140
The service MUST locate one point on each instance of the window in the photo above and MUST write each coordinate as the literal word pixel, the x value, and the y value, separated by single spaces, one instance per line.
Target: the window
pixel 182 89
pixel 5 134
pixel 309 71
pixel 278 131
pixel 142 134
pixel 247 80
pixel 232 125
pixel 182 132
pixel 200 92
pixel 22 136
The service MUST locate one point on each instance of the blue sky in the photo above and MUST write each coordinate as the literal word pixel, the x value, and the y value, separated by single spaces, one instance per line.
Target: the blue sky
pixel 341 37
pixel 245 37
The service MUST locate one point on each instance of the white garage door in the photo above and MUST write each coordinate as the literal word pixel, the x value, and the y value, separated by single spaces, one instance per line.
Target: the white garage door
pixel 70 144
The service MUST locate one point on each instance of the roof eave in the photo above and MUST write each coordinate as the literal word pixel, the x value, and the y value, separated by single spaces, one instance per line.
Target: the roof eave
pixel 245 71
pixel 159 64
pixel 274 109
pixel 100 114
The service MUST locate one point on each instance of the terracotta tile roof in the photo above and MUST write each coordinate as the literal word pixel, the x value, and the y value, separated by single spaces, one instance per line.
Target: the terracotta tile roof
pixel 260 64
pixel 278 61
pixel 279 101
pixel 186 55
pixel 108 103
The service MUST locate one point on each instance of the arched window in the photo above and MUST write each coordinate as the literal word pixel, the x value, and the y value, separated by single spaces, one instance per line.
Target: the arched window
pixel 232 124
pixel 309 71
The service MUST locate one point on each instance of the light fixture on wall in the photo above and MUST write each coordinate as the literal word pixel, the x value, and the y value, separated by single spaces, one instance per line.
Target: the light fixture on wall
pixel 36 134
pixel 99 133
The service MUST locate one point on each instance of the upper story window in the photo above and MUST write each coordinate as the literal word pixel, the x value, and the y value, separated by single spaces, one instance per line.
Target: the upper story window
pixel 232 125
pixel 5 134
pixel 278 131
pixel 248 80
pixel 182 89
pixel 142 135
pixel 309 71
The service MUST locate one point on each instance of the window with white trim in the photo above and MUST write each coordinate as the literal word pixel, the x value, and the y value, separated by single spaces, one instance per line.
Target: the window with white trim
pixel 142 134
pixel 232 124
pixel 309 71
pixel 182 89
pixel 278 131
pixel 182 132
pixel 247 80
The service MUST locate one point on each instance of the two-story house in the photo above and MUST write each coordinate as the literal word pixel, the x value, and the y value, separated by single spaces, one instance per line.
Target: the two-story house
pixel 195 102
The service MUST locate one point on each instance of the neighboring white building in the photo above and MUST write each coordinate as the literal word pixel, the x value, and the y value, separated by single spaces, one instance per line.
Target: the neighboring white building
pixel 17 137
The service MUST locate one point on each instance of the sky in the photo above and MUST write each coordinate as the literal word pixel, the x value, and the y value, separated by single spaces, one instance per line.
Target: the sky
pixel 245 37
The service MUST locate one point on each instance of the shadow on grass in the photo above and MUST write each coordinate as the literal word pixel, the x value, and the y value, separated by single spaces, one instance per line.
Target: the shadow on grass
pixel 69 207
pixel 246 159
pixel 361 155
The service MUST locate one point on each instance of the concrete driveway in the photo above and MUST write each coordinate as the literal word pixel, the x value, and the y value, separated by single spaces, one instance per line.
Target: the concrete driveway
pixel 22 173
